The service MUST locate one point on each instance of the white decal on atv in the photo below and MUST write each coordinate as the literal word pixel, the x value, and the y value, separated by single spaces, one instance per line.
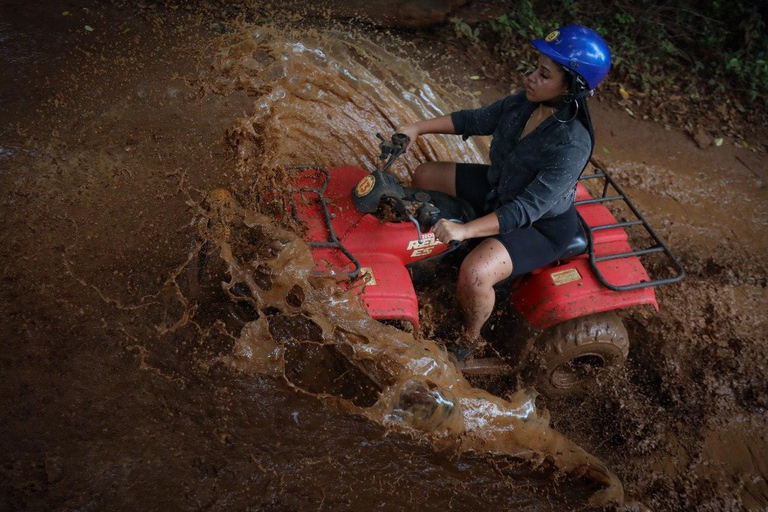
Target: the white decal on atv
pixel 367 274
pixel 426 246
pixel 565 276
pixel 422 252
pixel 427 240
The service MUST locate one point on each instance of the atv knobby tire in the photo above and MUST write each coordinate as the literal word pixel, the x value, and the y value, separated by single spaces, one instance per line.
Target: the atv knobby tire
pixel 576 352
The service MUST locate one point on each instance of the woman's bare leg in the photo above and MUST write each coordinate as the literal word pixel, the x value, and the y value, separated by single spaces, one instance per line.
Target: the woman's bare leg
pixel 485 266
pixel 436 176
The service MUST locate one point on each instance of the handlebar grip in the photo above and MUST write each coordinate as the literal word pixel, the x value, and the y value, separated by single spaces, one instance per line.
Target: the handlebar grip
pixel 453 244
pixel 400 139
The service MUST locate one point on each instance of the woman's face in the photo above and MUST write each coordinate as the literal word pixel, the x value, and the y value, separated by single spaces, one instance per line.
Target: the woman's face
pixel 546 83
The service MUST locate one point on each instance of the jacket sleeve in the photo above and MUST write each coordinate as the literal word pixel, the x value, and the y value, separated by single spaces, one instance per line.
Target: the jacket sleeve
pixel 481 121
pixel 559 171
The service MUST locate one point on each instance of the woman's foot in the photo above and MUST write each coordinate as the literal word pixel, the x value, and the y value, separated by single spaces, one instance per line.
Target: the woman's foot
pixel 475 357
pixel 468 347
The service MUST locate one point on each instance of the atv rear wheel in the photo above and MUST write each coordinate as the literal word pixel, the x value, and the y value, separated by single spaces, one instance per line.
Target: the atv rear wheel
pixel 579 350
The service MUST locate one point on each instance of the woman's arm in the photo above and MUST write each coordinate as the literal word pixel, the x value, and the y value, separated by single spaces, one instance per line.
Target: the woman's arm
pixel 443 124
pixel 480 121
pixel 447 231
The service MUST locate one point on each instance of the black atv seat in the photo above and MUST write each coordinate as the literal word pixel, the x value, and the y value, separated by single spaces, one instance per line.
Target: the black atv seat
pixel 578 245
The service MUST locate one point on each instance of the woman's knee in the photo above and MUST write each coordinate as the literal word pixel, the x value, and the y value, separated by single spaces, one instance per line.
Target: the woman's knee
pixel 473 277
pixel 485 266
pixel 436 176
pixel 470 279
pixel 421 175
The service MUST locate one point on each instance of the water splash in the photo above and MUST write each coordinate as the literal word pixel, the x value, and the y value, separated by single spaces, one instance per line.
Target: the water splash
pixel 321 100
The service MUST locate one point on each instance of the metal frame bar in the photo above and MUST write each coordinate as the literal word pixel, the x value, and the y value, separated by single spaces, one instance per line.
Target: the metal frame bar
pixel 659 247
pixel 618 225
pixel 333 240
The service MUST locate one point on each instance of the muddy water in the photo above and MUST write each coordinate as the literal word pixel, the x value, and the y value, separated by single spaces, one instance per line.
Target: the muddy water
pixel 321 98
pixel 125 390
pixel 122 392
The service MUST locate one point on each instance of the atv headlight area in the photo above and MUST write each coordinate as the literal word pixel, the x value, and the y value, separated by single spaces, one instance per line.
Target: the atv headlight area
pixel 370 190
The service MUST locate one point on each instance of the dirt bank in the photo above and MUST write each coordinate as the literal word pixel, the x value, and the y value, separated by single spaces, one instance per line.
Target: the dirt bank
pixel 105 153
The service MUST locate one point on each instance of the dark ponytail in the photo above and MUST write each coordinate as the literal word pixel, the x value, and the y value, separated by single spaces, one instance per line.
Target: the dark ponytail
pixel 573 104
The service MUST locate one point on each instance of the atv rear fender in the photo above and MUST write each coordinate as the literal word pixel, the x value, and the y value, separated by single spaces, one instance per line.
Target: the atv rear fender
pixel 558 293
pixel 570 289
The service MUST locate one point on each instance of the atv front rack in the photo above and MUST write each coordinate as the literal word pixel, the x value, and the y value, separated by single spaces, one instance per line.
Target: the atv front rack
pixel 659 246
pixel 333 241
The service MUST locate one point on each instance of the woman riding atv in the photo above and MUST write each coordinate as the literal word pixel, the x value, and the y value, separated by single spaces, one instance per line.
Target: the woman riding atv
pixel 542 141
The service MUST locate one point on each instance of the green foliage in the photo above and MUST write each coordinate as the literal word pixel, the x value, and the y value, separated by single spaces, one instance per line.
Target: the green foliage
pixel 463 30
pixel 693 46
pixel 522 22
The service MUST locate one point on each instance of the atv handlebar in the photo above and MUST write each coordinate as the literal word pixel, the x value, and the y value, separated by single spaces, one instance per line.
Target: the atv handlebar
pixel 391 150
pixel 421 207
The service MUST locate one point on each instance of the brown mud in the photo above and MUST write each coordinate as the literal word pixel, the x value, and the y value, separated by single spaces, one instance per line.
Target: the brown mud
pixel 121 390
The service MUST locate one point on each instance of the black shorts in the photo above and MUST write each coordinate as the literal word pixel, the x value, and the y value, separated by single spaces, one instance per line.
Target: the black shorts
pixel 529 248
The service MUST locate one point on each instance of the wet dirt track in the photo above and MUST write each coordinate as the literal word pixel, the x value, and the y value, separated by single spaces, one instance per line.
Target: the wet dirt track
pixel 105 154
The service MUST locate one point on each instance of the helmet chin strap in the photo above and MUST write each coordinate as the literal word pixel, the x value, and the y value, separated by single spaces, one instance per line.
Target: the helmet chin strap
pixel 575 83
pixel 565 100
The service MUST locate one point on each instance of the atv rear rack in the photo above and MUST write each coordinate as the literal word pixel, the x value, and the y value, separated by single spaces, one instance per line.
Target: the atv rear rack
pixel 659 246
pixel 333 241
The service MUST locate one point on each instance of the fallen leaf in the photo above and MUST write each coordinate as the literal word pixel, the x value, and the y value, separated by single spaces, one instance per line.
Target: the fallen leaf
pixel 127 29
pixel 605 150
pixel 624 93
pixel 474 77
pixel 65 13
pixel 89 28
pixel 630 112
pixel 719 141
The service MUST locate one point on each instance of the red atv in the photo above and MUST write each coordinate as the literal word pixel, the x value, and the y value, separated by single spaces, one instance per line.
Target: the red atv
pixel 372 232
pixel 373 229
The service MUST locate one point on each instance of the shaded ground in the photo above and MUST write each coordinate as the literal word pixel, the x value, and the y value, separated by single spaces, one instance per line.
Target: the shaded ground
pixel 102 148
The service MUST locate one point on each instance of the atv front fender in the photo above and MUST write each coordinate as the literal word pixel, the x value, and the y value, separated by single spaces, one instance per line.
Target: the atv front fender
pixel 388 292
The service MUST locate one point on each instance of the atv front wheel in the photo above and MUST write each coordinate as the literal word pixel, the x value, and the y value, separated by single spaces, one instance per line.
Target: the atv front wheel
pixel 579 350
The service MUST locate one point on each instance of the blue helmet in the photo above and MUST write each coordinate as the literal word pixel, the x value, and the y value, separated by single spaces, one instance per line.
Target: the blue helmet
pixel 579 49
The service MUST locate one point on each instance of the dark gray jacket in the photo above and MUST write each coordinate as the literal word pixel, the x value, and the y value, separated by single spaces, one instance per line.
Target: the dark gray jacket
pixel 531 178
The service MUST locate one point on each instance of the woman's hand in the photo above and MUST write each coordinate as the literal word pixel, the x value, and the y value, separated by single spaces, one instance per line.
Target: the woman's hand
pixel 448 231
pixel 411 130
